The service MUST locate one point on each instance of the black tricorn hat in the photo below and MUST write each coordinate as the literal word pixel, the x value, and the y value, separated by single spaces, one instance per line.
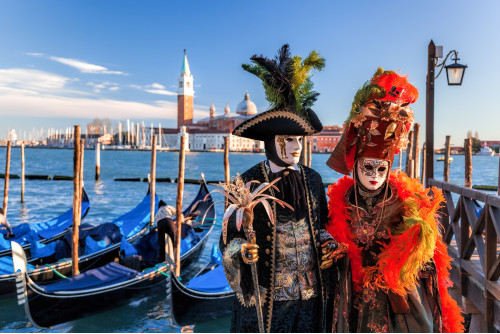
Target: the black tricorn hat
pixel 279 122
pixel 288 89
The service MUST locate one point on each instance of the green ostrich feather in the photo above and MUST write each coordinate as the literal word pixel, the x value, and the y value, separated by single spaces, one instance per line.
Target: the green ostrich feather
pixel 287 79
pixel 367 93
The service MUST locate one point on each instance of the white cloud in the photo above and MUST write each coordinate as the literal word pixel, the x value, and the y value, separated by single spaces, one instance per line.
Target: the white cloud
pixel 25 105
pixel 114 88
pixel 31 80
pixel 85 67
pixel 157 86
pixel 34 54
pixel 161 92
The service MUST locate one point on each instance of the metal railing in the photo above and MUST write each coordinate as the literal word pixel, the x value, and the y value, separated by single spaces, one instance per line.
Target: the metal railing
pixel 471 229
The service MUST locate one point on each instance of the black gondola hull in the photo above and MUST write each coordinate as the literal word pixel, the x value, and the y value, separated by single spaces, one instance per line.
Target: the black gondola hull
pixel 189 306
pixel 46 311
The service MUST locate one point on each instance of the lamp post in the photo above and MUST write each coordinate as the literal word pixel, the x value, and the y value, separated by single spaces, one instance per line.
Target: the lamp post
pixel 454 74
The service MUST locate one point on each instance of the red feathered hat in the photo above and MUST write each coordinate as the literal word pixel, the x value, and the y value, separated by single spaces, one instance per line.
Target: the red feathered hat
pixel 379 121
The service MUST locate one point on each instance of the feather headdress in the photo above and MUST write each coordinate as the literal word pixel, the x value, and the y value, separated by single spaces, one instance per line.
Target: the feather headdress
pixel 289 91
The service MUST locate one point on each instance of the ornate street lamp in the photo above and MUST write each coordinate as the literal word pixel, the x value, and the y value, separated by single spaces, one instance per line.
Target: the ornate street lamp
pixel 454 73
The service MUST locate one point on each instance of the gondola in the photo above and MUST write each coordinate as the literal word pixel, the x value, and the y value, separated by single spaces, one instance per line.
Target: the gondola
pixel 111 285
pixel 45 232
pixel 205 297
pixel 52 261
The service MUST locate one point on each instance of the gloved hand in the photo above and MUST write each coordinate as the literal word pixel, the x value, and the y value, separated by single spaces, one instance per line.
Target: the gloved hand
pixel 249 253
pixel 332 251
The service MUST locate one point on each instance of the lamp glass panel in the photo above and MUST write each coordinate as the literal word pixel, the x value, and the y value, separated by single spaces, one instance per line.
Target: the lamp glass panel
pixel 455 75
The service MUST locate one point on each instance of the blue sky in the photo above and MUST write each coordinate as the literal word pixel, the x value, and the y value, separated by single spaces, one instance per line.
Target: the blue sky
pixel 65 62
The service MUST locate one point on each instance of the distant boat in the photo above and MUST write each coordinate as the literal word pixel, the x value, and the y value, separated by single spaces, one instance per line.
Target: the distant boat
pixel 442 159
pixel 486 151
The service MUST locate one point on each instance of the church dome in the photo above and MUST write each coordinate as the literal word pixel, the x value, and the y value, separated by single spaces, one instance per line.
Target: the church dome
pixel 246 107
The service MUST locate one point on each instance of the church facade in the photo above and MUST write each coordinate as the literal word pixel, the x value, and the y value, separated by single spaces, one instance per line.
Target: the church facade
pixel 208 134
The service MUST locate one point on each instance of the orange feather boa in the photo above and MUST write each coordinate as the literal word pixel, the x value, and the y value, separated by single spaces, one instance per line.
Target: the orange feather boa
pixel 415 243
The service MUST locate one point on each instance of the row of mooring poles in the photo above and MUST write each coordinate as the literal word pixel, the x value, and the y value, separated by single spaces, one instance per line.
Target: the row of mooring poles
pixel 413 155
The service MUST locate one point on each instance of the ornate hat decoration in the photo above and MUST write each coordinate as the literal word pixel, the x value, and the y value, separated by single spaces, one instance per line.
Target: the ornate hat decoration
pixel 288 86
pixel 379 121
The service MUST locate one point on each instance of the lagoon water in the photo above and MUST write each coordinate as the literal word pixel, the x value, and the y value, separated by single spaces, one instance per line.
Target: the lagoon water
pixel 109 199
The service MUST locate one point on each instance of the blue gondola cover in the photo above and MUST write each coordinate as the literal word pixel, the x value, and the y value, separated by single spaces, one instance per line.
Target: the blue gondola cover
pixel 109 274
pixel 213 281
pixel 6 265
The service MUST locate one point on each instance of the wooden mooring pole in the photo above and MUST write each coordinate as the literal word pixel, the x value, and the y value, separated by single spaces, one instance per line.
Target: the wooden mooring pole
pixel 309 153
pixel 22 172
pixel 98 161
pixel 6 183
pixel 153 180
pixel 446 169
pixel 409 155
pixel 227 174
pixel 303 156
pixel 498 184
pixel 424 149
pixel 180 192
pixel 416 152
pixel 77 198
pixel 468 162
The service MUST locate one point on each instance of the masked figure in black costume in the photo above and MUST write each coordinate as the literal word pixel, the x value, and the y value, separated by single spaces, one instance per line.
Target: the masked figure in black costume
pixel 290 253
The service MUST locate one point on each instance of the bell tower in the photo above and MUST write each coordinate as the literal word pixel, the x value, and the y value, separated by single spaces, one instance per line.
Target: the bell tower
pixel 185 94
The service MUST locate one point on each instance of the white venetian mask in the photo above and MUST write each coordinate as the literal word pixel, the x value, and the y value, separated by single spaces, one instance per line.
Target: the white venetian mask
pixel 288 148
pixel 372 173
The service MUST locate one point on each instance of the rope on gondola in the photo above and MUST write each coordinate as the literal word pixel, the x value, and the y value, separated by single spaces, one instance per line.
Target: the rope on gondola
pixel 209 224
pixel 155 268
pixel 55 271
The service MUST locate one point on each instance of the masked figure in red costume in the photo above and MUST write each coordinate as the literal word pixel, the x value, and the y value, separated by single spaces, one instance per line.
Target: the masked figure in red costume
pixel 395 277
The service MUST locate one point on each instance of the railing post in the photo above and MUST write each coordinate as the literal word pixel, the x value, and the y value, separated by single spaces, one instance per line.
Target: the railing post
pixel 489 262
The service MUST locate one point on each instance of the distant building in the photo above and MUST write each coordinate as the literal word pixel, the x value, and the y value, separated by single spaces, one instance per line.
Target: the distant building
pixel 208 134
pixel 326 140
pixel 491 143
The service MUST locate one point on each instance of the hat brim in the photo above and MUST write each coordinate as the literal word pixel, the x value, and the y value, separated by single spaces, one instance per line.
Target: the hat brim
pixel 274 123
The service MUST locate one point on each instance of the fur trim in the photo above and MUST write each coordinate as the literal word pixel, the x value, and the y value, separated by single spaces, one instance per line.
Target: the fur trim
pixel 401 260
pixel 452 314
pixel 415 243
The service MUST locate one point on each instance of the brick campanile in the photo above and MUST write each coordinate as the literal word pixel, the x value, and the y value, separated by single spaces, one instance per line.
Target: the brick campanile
pixel 185 95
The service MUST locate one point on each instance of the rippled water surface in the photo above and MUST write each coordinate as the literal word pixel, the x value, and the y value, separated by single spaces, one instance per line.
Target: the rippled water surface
pixel 109 199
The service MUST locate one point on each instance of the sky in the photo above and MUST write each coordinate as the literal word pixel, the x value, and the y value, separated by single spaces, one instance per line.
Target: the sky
pixel 64 63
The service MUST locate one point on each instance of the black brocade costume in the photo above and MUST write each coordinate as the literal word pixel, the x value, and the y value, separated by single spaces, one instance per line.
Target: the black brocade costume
pixel 305 314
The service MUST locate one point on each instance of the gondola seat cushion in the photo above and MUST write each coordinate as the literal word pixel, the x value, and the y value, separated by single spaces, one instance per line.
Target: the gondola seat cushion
pixel 213 281
pixel 39 250
pixel 92 246
pixel 4 244
pixel 126 248
pixel 107 275
pixel 189 241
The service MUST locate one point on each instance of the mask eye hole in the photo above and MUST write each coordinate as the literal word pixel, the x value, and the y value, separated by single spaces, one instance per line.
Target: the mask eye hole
pixel 382 169
pixel 289 139
pixel 368 167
